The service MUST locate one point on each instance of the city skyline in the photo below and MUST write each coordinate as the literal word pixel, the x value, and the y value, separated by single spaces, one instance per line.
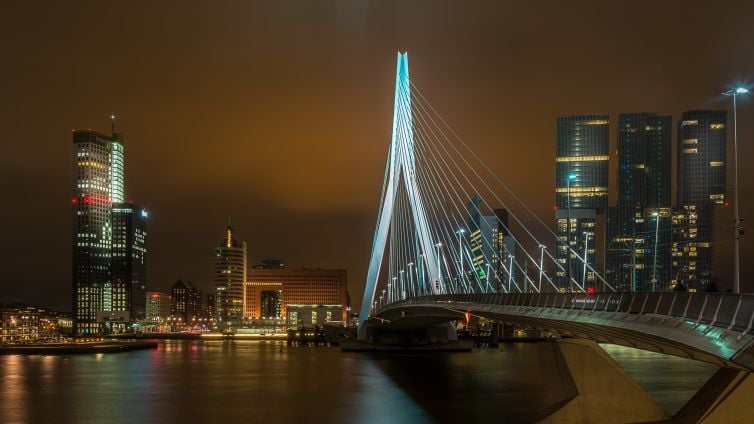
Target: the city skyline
pixel 267 153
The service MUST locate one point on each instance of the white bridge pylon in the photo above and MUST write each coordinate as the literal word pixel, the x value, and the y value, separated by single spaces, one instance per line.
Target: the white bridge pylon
pixel 401 163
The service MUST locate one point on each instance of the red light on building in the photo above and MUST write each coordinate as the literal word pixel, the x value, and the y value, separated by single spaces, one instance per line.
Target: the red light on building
pixel 726 204
pixel 74 200
pixel 88 200
pixel 155 296
pixel 554 208
pixel 590 290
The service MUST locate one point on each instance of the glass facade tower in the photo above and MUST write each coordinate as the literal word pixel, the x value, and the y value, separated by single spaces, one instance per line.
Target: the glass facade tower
pixel 129 259
pixel 94 187
pixel 582 154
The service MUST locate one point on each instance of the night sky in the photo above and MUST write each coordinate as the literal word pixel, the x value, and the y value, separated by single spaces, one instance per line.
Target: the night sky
pixel 279 113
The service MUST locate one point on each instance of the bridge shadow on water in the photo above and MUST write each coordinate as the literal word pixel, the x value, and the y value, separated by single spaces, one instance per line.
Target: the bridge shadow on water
pixel 455 387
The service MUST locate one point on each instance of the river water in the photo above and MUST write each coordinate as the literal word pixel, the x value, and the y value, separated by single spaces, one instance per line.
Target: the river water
pixel 264 382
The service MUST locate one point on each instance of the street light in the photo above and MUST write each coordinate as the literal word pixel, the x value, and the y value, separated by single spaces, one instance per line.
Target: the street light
pixel 411 278
pixel 737 228
pixel 568 229
pixel 654 265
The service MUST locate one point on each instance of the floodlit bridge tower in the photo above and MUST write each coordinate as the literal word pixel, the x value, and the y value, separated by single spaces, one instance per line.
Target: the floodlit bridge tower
pixel 401 169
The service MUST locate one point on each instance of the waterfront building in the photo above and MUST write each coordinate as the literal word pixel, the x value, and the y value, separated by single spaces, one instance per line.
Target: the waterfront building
pixel 98 182
pixel 129 259
pixel 308 316
pixel 581 162
pixel 229 278
pixel 268 292
pixel 157 306
pixel 24 323
pixel 186 301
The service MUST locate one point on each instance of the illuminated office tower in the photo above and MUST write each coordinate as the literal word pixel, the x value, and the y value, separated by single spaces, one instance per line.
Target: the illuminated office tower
pixel 230 276
pixel 129 259
pixel 97 183
pixel 581 162
pixel 581 182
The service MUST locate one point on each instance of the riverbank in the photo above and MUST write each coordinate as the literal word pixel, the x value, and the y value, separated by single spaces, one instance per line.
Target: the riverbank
pixel 77 348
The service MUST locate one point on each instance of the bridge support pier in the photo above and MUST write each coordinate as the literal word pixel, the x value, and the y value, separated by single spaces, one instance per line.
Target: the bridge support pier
pixel 590 387
pixel 725 398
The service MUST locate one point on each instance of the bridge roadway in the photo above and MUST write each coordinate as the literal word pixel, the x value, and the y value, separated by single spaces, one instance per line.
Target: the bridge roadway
pixel 710 327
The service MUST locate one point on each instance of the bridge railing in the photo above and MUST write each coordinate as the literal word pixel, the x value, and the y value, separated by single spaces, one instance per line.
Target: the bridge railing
pixel 730 311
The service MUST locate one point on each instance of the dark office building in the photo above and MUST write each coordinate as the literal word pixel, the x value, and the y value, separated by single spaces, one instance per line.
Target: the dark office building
pixel 582 153
pixel 644 160
pixel 637 243
pixel 129 260
pixel 638 251
pixel 702 150
pixel 97 183
pixel 186 301
pixel 211 309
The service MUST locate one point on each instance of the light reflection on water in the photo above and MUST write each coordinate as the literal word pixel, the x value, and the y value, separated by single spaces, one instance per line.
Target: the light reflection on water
pixel 250 381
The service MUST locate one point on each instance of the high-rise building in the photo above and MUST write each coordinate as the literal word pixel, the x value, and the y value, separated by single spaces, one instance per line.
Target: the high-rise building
pixel 581 162
pixel 97 184
pixel 644 160
pixel 575 228
pixel 702 151
pixel 581 186
pixel 637 251
pixel 692 247
pixel 129 264
pixel 230 276
pixel 269 291
pixel 186 301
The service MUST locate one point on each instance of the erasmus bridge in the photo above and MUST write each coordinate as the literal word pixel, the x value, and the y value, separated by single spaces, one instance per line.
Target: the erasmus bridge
pixel 438 259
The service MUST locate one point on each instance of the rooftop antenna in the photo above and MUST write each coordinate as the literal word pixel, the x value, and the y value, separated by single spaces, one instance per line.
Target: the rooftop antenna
pixel 112 124
pixel 228 220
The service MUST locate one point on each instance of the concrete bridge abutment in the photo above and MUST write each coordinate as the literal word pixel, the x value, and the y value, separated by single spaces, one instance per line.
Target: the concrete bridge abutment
pixel 588 386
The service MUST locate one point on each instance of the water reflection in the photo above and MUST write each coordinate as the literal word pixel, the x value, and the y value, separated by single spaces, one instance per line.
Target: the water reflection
pixel 251 381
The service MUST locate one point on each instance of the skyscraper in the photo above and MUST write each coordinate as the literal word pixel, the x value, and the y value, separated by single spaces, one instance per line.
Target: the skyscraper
pixel 229 276
pixel 633 231
pixel 581 162
pixel 97 183
pixel 644 160
pixel 581 184
pixel 702 152
pixel 129 263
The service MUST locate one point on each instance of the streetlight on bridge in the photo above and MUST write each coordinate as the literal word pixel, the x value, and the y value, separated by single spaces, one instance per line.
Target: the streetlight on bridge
pixel 737 228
